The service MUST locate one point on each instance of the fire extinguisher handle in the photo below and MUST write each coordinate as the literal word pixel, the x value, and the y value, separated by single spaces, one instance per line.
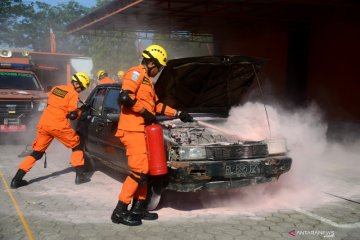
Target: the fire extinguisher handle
pixel 149 118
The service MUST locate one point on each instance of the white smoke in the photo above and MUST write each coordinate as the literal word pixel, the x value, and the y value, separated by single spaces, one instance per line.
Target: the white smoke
pixel 314 157
pixel 303 129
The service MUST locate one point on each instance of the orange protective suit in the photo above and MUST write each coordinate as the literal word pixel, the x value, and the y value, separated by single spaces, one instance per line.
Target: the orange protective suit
pixel 106 80
pixel 131 130
pixel 54 124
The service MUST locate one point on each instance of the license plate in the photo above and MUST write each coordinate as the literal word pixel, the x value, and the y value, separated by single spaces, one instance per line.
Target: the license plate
pixel 12 128
pixel 11 121
pixel 242 169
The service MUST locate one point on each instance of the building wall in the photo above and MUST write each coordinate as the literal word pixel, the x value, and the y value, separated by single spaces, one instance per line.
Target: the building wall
pixel 334 75
pixel 329 74
pixel 271 46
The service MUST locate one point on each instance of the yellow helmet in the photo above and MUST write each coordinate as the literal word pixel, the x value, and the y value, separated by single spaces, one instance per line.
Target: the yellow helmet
pixel 100 73
pixel 81 78
pixel 155 52
pixel 120 73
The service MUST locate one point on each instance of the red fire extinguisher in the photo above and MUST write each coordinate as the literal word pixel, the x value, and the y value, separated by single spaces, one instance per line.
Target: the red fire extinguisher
pixel 156 150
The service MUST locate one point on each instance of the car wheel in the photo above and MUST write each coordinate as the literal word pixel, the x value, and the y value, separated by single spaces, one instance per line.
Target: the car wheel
pixel 156 187
pixel 154 197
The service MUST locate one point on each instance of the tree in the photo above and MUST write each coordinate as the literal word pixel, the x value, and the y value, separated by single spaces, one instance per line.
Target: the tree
pixel 10 13
pixel 179 45
pixel 113 51
pixel 100 3
pixel 28 25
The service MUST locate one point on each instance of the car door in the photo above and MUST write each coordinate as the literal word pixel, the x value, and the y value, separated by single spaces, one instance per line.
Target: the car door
pixel 110 145
pixel 95 122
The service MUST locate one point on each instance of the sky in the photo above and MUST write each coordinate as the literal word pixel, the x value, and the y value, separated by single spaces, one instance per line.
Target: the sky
pixel 86 3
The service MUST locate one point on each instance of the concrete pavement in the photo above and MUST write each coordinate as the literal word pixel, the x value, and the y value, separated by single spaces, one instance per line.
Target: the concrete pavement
pixel 52 207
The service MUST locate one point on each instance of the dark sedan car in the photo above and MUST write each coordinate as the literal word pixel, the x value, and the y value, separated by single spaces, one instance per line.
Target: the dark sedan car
pixel 200 155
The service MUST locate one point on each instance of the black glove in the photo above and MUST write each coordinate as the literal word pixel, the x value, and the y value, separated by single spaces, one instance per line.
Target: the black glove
pixel 84 107
pixel 72 115
pixel 148 117
pixel 185 117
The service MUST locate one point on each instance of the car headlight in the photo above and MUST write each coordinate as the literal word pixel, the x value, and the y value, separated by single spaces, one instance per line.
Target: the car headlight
pixel 192 153
pixel 277 146
pixel 42 106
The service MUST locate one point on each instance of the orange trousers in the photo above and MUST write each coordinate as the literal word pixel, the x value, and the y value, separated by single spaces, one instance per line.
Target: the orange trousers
pixel 136 152
pixel 44 137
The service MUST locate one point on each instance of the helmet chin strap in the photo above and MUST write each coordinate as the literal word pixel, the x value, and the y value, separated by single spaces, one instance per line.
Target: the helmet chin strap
pixel 78 86
pixel 78 81
pixel 154 61
pixel 148 69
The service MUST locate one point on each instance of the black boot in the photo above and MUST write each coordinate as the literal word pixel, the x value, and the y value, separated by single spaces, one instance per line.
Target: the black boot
pixel 18 181
pixel 80 175
pixel 139 208
pixel 122 215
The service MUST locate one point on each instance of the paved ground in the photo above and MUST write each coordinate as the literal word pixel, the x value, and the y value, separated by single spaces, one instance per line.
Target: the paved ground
pixel 52 207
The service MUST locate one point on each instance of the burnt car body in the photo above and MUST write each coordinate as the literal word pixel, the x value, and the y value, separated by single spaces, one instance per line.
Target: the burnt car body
pixel 199 156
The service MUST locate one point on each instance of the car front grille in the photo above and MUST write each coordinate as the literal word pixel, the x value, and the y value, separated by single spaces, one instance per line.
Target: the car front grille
pixel 15 110
pixel 17 106
pixel 236 151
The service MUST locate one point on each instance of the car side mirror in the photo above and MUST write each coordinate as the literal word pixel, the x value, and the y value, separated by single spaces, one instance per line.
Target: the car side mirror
pixel 113 117
pixel 48 88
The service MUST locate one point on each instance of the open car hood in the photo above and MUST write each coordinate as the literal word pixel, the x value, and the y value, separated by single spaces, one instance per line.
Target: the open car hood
pixel 207 84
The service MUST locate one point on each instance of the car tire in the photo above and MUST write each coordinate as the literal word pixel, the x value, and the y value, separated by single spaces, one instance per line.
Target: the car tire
pixel 154 197
pixel 156 187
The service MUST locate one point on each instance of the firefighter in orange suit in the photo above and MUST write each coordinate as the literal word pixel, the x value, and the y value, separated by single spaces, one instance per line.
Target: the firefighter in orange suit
pixel 140 104
pixel 103 77
pixel 54 123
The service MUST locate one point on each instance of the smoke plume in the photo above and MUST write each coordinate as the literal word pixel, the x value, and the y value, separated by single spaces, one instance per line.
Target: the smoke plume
pixel 315 160
pixel 314 155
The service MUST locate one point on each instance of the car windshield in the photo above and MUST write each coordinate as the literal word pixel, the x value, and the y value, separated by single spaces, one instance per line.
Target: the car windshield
pixel 111 102
pixel 21 81
pixel 105 101
pixel 97 100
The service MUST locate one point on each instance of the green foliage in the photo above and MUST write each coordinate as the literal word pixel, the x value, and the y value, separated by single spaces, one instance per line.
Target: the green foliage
pixel 10 10
pixel 184 45
pixel 28 25
pixel 113 52
pixel 100 3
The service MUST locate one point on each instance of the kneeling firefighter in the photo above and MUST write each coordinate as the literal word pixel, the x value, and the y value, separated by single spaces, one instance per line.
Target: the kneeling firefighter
pixel 54 123
pixel 140 104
